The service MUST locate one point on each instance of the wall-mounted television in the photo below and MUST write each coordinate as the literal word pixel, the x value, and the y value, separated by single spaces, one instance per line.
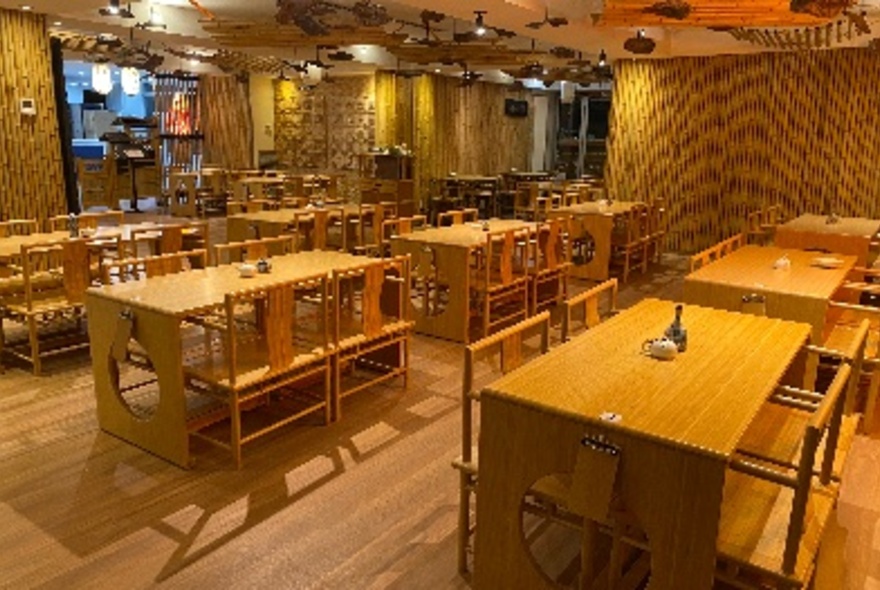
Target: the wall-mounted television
pixel 516 108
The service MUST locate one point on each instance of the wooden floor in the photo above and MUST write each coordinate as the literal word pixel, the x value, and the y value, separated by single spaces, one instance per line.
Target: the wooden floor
pixel 369 502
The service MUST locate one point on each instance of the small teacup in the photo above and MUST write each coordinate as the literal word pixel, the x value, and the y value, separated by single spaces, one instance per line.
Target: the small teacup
pixel 663 349
pixel 247 270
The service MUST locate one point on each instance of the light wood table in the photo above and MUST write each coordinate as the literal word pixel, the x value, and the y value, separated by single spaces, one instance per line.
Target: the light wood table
pixel 158 307
pixel 11 247
pixel 265 224
pixel 800 293
pixel 850 235
pixel 255 187
pixel 680 424
pixel 445 253
pixel 593 224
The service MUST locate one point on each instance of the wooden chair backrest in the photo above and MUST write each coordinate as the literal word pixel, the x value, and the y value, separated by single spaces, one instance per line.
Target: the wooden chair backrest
pixel 716 252
pixel 754 221
pixel 271 312
pixel 508 344
pixel 133 269
pixel 236 252
pixel 552 244
pixel 824 423
pixel 384 297
pixel 168 237
pixel 772 215
pixel 449 218
pixel 69 260
pixel 19 227
pixel 589 303
pixel 88 220
pixel 507 257
pixel 470 215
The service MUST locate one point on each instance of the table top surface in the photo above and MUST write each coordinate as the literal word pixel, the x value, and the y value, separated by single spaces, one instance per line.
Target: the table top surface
pixel 597 208
pixel 287 215
pixel 850 226
pixel 751 267
pixel 703 400
pixel 261 180
pixel 11 246
pixel 465 235
pixel 470 178
pixel 194 290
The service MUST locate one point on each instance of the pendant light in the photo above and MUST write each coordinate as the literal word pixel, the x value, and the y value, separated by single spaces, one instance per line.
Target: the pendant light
pixel 102 80
pixel 130 79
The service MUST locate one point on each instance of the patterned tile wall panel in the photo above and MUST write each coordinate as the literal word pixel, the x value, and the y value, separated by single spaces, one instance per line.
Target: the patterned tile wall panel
pixel 720 136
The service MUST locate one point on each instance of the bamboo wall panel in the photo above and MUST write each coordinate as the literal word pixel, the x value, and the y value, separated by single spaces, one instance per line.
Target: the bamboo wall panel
pixel 720 136
pixel 31 173
pixel 452 128
pixel 227 122
pixel 327 127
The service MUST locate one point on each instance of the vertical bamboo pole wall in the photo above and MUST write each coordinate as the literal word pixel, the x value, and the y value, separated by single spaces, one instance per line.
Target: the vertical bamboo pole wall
pixel 228 126
pixel 452 128
pixel 31 173
pixel 720 136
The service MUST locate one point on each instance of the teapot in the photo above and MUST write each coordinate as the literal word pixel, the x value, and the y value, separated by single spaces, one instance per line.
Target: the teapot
pixel 663 348
pixel 247 270
pixel 782 263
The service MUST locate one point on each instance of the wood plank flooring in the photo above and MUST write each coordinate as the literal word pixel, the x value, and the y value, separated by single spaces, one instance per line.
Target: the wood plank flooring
pixel 367 503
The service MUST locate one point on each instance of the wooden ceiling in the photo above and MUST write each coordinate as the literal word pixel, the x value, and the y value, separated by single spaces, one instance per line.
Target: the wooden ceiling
pixel 707 13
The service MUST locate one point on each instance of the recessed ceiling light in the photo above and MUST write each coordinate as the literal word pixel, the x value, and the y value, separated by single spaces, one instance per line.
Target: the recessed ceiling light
pixel 363 49
pixel 57 23
pixel 437 71
pixel 26 7
pixel 194 62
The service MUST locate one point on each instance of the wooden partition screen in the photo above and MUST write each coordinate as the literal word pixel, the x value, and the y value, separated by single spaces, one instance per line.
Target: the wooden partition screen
pixel 31 173
pixel 452 128
pixel 227 122
pixel 720 136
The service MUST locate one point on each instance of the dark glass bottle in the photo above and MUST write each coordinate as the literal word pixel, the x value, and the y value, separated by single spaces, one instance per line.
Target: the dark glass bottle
pixel 676 331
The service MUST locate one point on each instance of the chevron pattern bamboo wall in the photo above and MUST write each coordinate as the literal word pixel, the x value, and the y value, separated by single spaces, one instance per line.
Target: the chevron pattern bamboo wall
pixel 450 128
pixel 720 136
pixel 31 175
pixel 227 122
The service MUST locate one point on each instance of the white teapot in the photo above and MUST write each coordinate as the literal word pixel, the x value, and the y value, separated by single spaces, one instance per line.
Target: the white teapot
pixel 663 348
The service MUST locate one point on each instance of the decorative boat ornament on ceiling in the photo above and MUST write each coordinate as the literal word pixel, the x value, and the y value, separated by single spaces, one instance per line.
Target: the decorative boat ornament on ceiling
pixel 640 44
pixel 822 37
pixel 675 9
pixel 820 8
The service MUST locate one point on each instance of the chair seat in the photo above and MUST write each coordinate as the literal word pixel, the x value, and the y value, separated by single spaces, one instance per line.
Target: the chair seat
pixel 843 331
pixel 44 302
pixel 754 523
pixel 387 330
pixel 14 285
pixel 253 366
pixel 777 433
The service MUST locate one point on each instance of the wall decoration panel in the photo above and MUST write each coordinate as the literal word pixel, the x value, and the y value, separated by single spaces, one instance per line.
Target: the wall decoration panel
pixel 31 173
pixel 721 136
pixel 227 122
pixel 324 129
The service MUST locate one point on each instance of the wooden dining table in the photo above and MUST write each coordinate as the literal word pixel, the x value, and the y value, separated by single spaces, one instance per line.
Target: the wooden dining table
pixel 444 254
pixel 675 425
pixel 800 293
pixel 846 235
pixel 592 226
pixel 157 308
pixel 264 224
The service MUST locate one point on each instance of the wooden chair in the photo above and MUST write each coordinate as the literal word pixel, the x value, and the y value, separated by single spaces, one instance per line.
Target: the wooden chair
pixel 19 227
pixel 370 233
pixel 54 277
pixel 133 269
pixel 657 228
pixel 155 240
pixel 716 252
pixel 588 304
pixel 548 275
pixel 500 280
pixel 773 516
pixel 372 330
pixel 237 252
pixel 457 217
pixel 508 344
pixel 629 239
pixel 754 232
pixel 268 347
pixel 533 199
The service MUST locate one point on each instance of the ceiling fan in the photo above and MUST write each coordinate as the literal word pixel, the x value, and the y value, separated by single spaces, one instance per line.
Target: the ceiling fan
pixel 555 21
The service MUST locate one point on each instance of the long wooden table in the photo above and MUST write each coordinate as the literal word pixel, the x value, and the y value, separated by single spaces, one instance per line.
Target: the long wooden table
pixel 158 307
pixel 593 224
pixel 445 253
pixel 263 224
pixel 849 235
pixel 680 422
pixel 800 293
